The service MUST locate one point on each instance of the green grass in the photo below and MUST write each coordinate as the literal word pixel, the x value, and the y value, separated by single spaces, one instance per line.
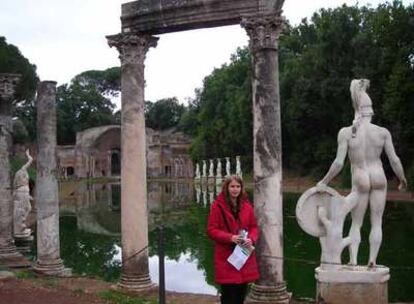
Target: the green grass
pixel 117 297
pixel 25 275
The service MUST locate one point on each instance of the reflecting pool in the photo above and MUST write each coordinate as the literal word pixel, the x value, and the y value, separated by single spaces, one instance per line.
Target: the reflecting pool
pixel 90 238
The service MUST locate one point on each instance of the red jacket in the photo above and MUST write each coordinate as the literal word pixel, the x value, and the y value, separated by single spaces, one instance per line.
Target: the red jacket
pixel 225 273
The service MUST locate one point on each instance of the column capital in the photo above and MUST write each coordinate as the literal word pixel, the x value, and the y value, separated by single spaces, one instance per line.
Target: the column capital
pixel 8 83
pixel 263 30
pixel 132 48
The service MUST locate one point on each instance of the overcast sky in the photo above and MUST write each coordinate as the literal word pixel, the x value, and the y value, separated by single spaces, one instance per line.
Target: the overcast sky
pixel 66 37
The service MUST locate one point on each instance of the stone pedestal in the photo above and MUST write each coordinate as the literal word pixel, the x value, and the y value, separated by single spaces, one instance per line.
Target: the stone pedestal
pixel 48 260
pixel 263 31
pixel 134 210
pixel 352 284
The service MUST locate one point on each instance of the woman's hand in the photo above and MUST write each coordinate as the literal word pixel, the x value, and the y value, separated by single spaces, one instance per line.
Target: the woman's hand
pixel 236 239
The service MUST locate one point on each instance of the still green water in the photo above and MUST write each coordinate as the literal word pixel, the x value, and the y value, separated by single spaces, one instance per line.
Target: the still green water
pixel 90 239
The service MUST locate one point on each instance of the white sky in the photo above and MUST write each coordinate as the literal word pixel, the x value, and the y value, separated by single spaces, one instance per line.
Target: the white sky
pixel 66 37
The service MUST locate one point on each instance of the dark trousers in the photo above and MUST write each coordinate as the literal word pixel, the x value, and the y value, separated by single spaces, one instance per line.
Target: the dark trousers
pixel 233 293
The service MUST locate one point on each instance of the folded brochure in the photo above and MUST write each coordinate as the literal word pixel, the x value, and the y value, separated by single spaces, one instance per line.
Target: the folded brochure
pixel 239 256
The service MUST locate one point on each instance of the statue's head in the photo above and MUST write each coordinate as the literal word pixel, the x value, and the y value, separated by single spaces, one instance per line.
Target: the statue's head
pixel 361 102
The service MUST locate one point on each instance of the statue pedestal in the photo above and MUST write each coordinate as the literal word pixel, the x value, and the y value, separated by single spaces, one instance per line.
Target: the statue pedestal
pixel 352 284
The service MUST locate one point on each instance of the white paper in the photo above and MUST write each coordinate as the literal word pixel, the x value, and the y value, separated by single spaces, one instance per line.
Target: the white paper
pixel 239 256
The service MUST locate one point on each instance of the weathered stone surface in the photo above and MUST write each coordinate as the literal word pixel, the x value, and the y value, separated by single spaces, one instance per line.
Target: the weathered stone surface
pixel 164 16
pixel 48 246
pixel 263 32
pixel 135 269
pixel 21 201
pixel 356 285
pixel 7 247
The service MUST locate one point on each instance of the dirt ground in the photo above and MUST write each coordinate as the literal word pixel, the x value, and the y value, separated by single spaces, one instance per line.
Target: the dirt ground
pixel 80 291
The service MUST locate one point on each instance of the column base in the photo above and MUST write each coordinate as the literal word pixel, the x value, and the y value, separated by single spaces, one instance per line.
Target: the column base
pixel 135 282
pixel 261 294
pixel 52 268
pixel 352 284
pixel 12 258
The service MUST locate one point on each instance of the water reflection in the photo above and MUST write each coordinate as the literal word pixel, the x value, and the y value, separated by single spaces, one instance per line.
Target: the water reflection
pixel 90 238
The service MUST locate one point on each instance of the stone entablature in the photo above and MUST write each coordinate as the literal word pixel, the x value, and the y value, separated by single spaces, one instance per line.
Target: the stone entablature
pixel 97 153
pixel 165 16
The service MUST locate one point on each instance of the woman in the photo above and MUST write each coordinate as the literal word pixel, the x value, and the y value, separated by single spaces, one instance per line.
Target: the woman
pixel 230 214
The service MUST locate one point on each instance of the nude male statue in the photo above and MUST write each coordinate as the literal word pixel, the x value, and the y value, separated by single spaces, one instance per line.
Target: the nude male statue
pixel 364 143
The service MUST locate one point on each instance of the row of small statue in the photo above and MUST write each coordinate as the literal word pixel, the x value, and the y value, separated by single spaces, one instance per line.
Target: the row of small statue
pixel 218 173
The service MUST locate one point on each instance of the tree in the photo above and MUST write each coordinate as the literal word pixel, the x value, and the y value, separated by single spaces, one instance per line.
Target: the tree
pixel 163 114
pixel 224 115
pixel 13 61
pixel 81 105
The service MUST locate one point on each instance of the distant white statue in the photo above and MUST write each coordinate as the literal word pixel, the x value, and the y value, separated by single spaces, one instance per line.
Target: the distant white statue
pixel 228 167
pixel 238 167
pixel 198 192
pixel 197 172
pixel 21 200
pixel 218 169
pixel 204 169
pixel 211 169
pixel 364 143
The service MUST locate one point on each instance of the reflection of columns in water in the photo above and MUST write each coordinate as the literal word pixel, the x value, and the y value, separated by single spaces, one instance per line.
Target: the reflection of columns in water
pixel 204 191
pixel 135 269
pixel 263 31
pixel 198 192
pixel 218 189
pixel 211 188
pixel 8 249
pixel 48 245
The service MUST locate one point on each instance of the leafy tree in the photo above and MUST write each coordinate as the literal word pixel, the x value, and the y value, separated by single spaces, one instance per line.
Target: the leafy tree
pixel 81 105
pixel 13 61
pixel 224 113
pixel 163 114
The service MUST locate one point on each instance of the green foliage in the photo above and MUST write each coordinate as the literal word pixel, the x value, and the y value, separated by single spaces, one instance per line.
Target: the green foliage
pixel 318 59
pixel 83 104
pixel 163 114
pixel 223 111
pixel 117 297
pixel 107 82
pixel 16 163
pixel 12 61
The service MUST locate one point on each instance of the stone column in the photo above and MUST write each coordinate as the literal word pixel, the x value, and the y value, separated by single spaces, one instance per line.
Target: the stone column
pixel 135 269
pixel 48 245
pixel 8 252
pixel 263 31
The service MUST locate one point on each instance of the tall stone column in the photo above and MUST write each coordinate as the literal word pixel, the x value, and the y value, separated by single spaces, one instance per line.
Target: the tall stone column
pixel 8 252
pixel 263 31
pixel 48 260
pixel 135 269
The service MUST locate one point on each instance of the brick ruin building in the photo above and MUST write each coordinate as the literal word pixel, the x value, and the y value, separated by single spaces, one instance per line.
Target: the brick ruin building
pixel 97 154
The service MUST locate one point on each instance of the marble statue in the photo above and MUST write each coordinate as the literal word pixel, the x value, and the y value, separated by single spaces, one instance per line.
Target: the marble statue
pixel 211 169
pixel 218 169
pixel 238 167
pixel 197 172
pixel 321 212
pixel 228 167
pixel 364 143
pixel 204 169
pixel 21 200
